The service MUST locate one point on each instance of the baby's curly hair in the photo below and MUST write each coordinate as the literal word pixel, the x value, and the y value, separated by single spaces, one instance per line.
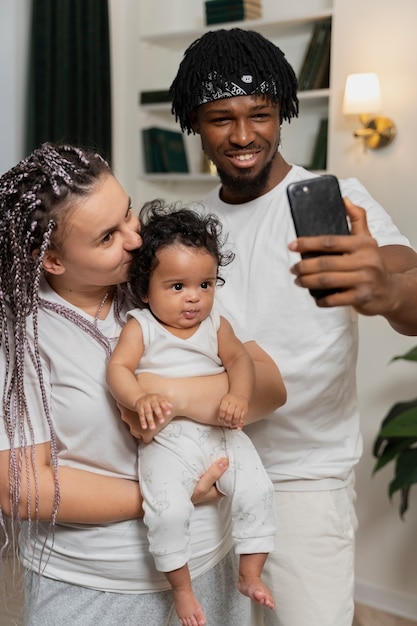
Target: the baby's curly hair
pixel 165 225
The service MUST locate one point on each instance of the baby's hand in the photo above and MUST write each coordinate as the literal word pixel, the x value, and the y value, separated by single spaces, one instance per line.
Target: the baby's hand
pixel 152 406
pixel 233 411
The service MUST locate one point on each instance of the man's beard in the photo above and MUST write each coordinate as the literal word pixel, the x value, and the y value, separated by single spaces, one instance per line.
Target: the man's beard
pixel 243 182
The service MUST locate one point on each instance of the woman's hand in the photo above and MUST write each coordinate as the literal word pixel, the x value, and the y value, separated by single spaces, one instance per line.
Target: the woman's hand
pixel 206 490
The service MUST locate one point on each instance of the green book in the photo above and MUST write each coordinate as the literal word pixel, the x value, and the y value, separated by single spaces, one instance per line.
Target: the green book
pixel 322 78
pixel 319 158
pixel 316 51
pixel 219 11
pixel 319 75
pixel 230 16
pixel 228 4
pixel 163 151
pixel 308 56
pixel 152 156
pixel 154 96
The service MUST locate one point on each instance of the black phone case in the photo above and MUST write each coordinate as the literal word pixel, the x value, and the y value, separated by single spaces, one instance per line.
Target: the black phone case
pixel 317 208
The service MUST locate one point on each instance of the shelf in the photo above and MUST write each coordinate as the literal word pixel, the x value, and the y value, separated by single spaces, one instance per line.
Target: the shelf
pixel 167 47
pixel 314 94
pixel 262 25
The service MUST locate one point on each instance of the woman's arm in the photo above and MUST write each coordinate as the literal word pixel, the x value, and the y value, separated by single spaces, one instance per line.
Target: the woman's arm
pixel 85 497
pixel 269 392
pixel 199 398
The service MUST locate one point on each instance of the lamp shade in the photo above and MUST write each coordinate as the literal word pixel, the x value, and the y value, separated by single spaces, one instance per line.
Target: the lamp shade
pixel 362 94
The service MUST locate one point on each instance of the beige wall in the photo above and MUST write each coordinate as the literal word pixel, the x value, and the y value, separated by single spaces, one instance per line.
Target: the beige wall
pixel 367 36
pixel 379 35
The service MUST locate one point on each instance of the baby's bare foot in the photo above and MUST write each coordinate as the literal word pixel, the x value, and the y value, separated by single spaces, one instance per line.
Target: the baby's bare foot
pixel 188 609
pixel 256 590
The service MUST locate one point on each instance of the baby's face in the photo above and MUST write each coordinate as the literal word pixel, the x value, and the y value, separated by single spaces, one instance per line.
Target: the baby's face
pixel 182 286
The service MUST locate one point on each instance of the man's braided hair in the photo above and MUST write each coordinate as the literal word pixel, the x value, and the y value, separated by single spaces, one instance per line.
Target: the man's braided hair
pixel 227 53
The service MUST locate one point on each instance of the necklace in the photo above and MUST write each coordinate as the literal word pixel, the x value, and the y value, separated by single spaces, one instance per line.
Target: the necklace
pixel 100 308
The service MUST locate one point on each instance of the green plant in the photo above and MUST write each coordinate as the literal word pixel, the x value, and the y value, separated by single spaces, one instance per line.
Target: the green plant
pixel 396 442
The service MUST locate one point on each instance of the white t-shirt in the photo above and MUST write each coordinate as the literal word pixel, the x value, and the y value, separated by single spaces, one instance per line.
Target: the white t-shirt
pixel 91 436
pixel 313 441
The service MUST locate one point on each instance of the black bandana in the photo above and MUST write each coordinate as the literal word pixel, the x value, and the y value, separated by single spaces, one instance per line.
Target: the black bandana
pixel 217 87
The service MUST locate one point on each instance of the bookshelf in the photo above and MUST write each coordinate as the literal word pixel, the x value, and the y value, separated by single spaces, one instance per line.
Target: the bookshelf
pixel 292 33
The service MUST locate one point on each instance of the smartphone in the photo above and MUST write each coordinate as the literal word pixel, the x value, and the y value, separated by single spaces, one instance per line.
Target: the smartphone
pixel 317 208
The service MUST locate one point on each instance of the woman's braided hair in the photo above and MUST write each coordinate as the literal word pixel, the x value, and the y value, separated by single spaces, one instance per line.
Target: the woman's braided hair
pixel 36 197
pixel 231 52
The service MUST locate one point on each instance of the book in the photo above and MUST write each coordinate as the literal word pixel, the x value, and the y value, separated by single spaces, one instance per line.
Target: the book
pixel 240 15
pixel 154 96
pixel 319 157
pixel 316 63
pixel 218 11
pixel 230 4
pixel 308 56
pixel 321 80
pixel 163 151
pixel 151 152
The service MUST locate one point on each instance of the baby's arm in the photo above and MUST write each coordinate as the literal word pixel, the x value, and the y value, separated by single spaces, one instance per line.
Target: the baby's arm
pixel 241 373
pixel 125 386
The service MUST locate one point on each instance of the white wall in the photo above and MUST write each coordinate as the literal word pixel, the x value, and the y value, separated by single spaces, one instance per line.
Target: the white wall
pixel 14 23
pixel 379 35
pixel 124 45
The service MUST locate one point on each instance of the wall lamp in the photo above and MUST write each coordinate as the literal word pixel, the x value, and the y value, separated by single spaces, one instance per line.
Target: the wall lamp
pixel 363 97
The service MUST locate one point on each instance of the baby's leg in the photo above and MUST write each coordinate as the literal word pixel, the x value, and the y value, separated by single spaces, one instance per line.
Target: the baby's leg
pixel 188 609
pixel 250 582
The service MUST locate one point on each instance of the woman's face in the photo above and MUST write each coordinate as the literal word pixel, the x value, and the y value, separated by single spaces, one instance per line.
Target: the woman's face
pixel 99 234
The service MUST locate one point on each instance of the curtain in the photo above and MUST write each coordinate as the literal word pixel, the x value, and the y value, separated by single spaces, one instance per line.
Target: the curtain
pixel 69 94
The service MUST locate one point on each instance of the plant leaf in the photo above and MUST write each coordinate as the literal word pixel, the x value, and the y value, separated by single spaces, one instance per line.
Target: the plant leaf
pixel 405 471
pixel 411 355
pixel 404 501
pixel 403 425
pixel 388 450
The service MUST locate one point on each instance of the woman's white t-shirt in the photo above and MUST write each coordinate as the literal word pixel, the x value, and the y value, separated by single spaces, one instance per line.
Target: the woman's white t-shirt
pixel 91 436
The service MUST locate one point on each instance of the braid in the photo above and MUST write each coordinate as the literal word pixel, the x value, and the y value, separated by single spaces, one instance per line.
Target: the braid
pixel 35 197
pixel 230 52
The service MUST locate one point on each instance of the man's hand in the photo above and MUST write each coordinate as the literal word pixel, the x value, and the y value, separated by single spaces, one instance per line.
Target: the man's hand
pixel 359 268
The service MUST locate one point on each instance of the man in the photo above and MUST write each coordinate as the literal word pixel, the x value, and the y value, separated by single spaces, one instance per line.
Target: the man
pixel 235 89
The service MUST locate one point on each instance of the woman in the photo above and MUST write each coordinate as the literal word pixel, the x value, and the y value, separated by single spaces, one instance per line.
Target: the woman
pixel 67 461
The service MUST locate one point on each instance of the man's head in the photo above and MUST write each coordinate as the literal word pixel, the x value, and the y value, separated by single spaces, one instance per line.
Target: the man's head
pixel 228 63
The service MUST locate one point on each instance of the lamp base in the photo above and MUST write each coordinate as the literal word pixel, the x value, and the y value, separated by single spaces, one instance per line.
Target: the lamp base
pixel 377 132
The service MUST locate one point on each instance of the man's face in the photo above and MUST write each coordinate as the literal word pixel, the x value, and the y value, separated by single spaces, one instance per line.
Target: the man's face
pixel 241 136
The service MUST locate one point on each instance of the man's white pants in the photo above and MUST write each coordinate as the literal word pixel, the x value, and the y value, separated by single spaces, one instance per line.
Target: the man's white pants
pixel 311 571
